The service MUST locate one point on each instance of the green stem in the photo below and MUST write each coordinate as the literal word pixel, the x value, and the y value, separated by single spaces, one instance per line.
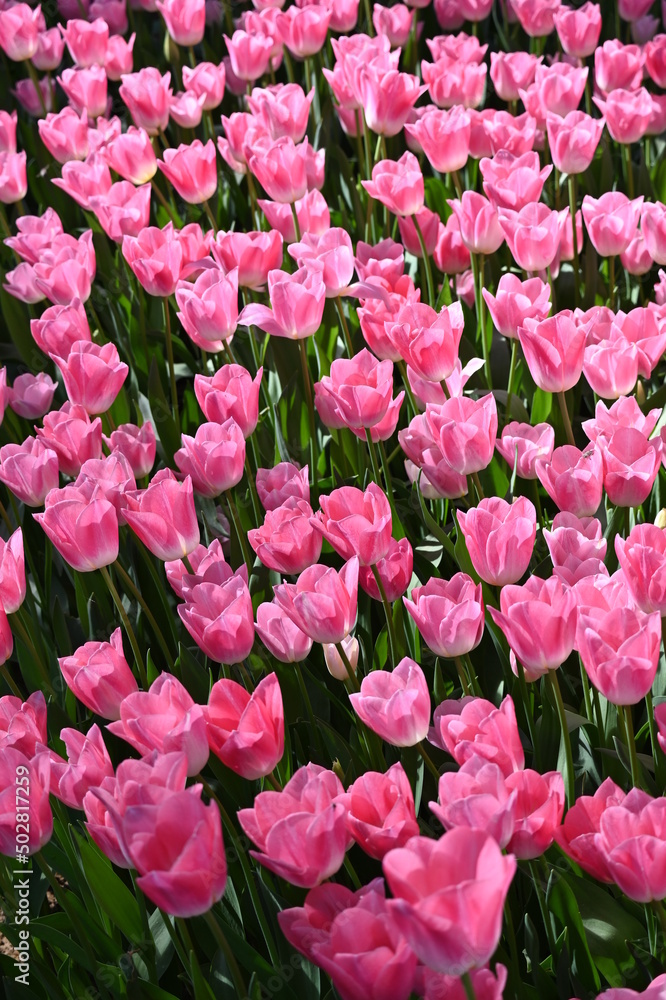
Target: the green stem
pixel 477 271
pixel 240 534
pixel 393 645
pixel 528 712
pixel 136 593
pixel 428 761
pixel 311 412
pixel 629 174
pixel 345 327
pixel 462 676
pixel 35 80
pixel 297 228
pixel 611 281
pixel 512 372
pixel 572 208
pixel 106 576
pixel 149 951
pixel 353 679
pixel 564 409
pixel 402 367
pixel 172 367
pixel 211 217
pixel 570 776
pixel 545 915
pixel 162 200
pixel 256 509
pixel 426 262
pixel 373 457
pixel 625 711
pixel 11 683
pixel 466 980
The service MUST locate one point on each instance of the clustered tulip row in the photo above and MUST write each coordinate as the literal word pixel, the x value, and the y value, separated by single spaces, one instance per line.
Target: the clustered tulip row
pixel 331 471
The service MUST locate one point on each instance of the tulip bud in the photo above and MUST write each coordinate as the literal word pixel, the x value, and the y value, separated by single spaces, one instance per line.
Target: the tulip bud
pixel 334 663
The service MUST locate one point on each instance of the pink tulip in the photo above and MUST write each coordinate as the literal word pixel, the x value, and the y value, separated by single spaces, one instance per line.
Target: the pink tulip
pixel 554 350
pixel 86 179
pixel 618 66
pixel 19 30
pixel 574 543
pixel 611 367
pixel 286 641
pixel 642 557
pixel 192 170
pixel 517 301
pixel 628 114
pixel 395 704
pixel 387 98
pixel 356 523
pixel 311 210
pixel 123 211
pixel 536 18
pixel 156 257
pixel 522 444
pixel 249 55
pixel 214 457
pixel 581 824
pixel 88 764
pixel 137 444
pixel 209 307
pixel 185 21
pixel 12 573
pixel 398 185
pixel 163 516
pixel 21 282
pixel 147 95
pixel 465 430
pixel 630 841
pixel 93 375
pixel 287 541
pixel 83 526
pixel 86 89
pixel 394 571
pixel 254 254
pixel 70 433
pixel 31 395
pixel 297 305
pixel 231 392
pixel 14 766
pixel 359 390
pixel 283 111
pixel 276 485
pixel 625 412
pixel 119 60
pixel 620 651
pixel 512 72
pixel 655 59
pixel 66 271
pixel 426 340
pixel 437 884
pixel 331 254
pixel 35 233
pixel 65 135
pixel 578 30
pixel 380 811
pixel 394 22
pixel 99 676
pixel 300 832
pixel 653 228
pixel 428 223
pixel 50 49
pixel 642 328
pixel 246 731
pixel 560 87
pixel 631 464
pixel 451 255
pixel 165 719
pixel 533 234
pixel 176 846
pixel 573 479
pixel 34 99
pixel 539 622
pixel 322 602
pixel 539 804
pixel 303 30
pixel 513 181
pixel 186 110
pixel 454 81
pixel 132 156
pixel 479 225
pixel 500 538
pixel 29 470
pixel 23 723
pixel 573 140
pixel 86 41
pixel 477 797
pixel 449 614
pixel 8 124
pixel 280 168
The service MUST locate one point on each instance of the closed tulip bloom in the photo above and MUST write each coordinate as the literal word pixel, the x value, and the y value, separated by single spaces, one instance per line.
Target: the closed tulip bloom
pixel 283 111
pixel 451 256
pixel 86 89
pixel 560 87
pixel 297 305
pixel 284 480
pixel 356 522
pixel 394 571
pixel 185 21
pixel 119 59
pixel 131 155
pixel 209 307
pixel 331 254
pixel 454 81
pixel 254 254
pixel 479 225
pixel 465 430
pixel 522 444
pixel 164 718
pixel 28 95
pixel 93 375
pixel 15 765
pixel 449 614
pixel 395 704
pixel 287 541
pixel 87 766
pixel 85 179
pixel 186 110
pixel 428 223
pixel 628 114
pixel 653 228
pixel 624 412
pixel 23 723
pixel 554 350
pixel 303 30
pixel 192 170
pixel 578 30
pixel 500 538
pixel 311 211
pixel 631 842
pixel 147 95
pixel 246 731
pixel 99 676
pixel 538 809
pixel 65 135
pixel 444 137
pixel 8 124
pixel 214 457
pixel 280 168
pixel 539 622
pixel 322 602
pixel 31 395
pixel 137 444
pixel 620 652
pixel 515 133
pixel 474 727
pixel 34 232
pixel 156 257
pixel 513 181
pixel 249 55
pixel 512 72
pixel 517 301
pixel 71 434
pixel 29 470
pixel 618 66
pixel 66 271
pixel 655 59
pixel 642 557
pixel 533 234
pixel 123 211
pixel 163 516
pixel 301 831
pixel 12 572
pixel 398 184
pixel 13 177
pixel 231 392
pixel 611 367
pixel 537 19
pixel 21 282
pixel 387 98
pixel 83 527
pixel 573 140
pixel 631 464
pixel 574 540
pixel 476 797
pixel 282 638
pixel 642 328
pixel 437 884
pixel 573 479
pixel 359 388
pixel 428 341
pixel 380 811
pixel 19 31
pixel 576 836
pixel 205 80
pixel 86 40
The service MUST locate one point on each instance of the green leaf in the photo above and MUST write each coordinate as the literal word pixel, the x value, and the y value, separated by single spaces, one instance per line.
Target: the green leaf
pixel 562 903
pixel 542 404
pixel 110 892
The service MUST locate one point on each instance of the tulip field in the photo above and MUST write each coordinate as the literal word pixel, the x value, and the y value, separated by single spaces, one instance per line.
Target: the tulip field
pixel 333 500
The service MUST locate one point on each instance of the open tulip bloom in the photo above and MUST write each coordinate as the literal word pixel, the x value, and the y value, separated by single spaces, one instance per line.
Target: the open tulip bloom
pixel 333 500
